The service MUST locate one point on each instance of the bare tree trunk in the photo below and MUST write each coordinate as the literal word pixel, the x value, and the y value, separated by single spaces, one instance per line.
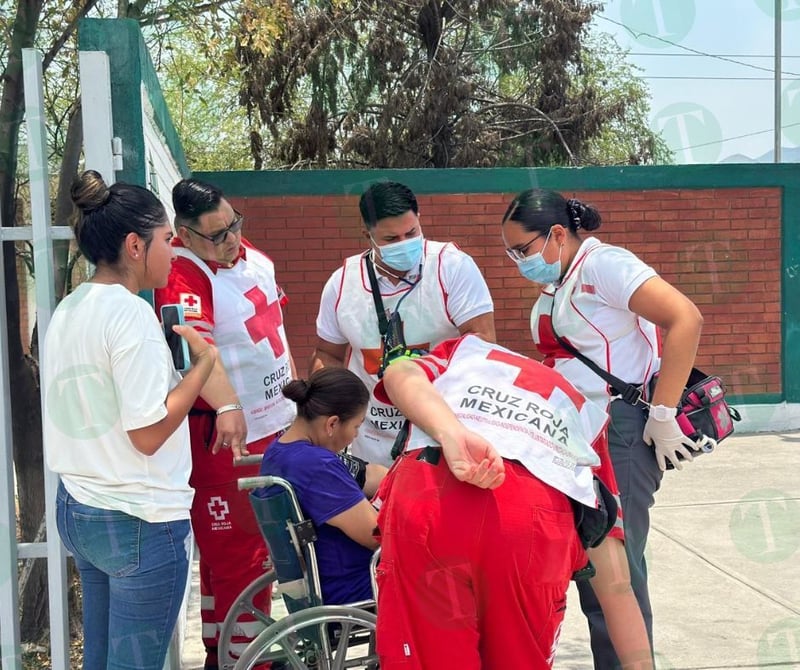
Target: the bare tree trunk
pixel 73 145
pixel 63 206
pixel 25 408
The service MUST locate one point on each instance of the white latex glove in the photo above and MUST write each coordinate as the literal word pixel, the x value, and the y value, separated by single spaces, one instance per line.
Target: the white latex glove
pixel 668 441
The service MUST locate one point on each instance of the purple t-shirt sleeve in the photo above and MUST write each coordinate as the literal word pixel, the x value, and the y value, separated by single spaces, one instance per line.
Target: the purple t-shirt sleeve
pixel 322 483
pixel 330 490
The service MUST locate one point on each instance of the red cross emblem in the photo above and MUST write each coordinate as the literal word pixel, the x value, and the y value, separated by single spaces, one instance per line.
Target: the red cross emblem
pixel 548 344
pixel 191 304
pixel 218 508
pixel 537 378
pixel 266 321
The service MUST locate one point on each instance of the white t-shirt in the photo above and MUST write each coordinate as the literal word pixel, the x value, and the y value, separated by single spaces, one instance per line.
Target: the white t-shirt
pixel 106 369
pixel 450 292
pixel 590 310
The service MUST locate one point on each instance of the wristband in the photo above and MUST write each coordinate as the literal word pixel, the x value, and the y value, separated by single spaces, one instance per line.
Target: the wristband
pixel 662 412
pixel 229 408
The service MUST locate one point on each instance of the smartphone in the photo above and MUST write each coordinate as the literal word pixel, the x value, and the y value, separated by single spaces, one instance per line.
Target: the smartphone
pixel 172 315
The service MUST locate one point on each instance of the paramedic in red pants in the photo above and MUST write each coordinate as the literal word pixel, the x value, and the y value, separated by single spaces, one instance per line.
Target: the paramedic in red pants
pixel 477 550
pixel 228 292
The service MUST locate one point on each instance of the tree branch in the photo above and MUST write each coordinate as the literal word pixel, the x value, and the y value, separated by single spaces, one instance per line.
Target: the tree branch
pixel 540 114
pixel 171 14
pixel 66 34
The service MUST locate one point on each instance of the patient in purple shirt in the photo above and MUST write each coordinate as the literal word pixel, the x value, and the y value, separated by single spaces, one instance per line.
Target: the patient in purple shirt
pixel 331 406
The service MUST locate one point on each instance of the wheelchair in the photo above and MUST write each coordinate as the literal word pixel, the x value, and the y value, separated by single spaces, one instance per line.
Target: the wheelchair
pixel 313 636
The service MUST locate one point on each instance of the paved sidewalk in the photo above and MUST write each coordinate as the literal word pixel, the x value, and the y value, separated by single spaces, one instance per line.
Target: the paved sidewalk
pixel 724 559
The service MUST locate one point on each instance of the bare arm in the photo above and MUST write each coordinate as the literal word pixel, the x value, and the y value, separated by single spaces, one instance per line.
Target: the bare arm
pixel 612 586
pixel 482 326
pixel 327 355
pixel 231 426
pixel 470 458
pixel 663 304
pixel 180 399
pixel 358 523
pixel 375 474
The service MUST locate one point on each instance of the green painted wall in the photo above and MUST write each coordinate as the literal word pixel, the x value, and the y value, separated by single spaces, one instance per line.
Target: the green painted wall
pixel 630 178
pixel 130 67
pixel 507 180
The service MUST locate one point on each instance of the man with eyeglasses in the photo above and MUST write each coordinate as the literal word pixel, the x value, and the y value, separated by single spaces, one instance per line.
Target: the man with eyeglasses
pixel 229 294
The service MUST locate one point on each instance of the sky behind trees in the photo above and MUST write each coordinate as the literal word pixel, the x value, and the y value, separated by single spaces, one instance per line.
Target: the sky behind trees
pixel 712 109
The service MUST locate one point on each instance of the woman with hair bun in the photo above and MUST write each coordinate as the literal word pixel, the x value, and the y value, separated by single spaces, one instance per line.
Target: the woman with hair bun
pixel 331 406
pixel 608 304
pixel 115 429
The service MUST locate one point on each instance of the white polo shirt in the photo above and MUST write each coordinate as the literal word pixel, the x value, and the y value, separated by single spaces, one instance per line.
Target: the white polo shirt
pixel 590 310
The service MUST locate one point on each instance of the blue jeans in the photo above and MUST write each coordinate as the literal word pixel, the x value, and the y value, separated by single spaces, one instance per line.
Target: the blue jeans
pixel 133 575
pixel 638 477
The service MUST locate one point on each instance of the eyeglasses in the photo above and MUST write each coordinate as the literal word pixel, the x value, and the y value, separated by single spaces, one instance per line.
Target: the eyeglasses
pixel 518 254
pixel 219 237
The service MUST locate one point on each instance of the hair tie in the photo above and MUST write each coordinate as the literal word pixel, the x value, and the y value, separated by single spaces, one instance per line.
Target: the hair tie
pixel 575 209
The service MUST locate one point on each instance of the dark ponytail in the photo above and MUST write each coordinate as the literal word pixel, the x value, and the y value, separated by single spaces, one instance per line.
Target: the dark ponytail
pixel 537 210
pixel 583 216
pixel 108 214
pixel 328 392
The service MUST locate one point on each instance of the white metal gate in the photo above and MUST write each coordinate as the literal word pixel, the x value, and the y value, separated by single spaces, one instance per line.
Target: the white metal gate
pixel 99 154
pixel 41 234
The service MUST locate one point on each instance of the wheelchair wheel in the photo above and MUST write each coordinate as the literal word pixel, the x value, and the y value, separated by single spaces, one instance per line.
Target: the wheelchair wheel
pixel 328 637
pixel 244 604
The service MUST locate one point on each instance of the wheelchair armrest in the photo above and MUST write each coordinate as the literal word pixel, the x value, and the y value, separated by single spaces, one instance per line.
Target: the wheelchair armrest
pixel 252 459
pixel 369 605
pixel 245 483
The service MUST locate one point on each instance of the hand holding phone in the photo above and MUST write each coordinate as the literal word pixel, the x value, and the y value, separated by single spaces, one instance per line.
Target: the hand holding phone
pixel 172 315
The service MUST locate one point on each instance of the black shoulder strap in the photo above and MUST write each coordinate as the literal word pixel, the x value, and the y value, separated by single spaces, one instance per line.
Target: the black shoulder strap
pixel 383 326
pixel 383 322
pixel 630 393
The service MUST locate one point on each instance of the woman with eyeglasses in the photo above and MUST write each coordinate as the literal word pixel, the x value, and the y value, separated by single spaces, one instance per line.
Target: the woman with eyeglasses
pixel 230 296
pixel 608 304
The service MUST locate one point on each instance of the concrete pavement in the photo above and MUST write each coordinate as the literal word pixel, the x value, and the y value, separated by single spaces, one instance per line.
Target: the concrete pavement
pixel 724 560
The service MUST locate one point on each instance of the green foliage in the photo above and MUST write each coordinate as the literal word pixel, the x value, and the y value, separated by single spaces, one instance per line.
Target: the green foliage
pixel 627 139
pixel 437 83
pixel 211 123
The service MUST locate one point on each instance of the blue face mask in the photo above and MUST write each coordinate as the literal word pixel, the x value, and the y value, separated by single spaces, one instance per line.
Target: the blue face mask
pixel 404 255
pixel 536 269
